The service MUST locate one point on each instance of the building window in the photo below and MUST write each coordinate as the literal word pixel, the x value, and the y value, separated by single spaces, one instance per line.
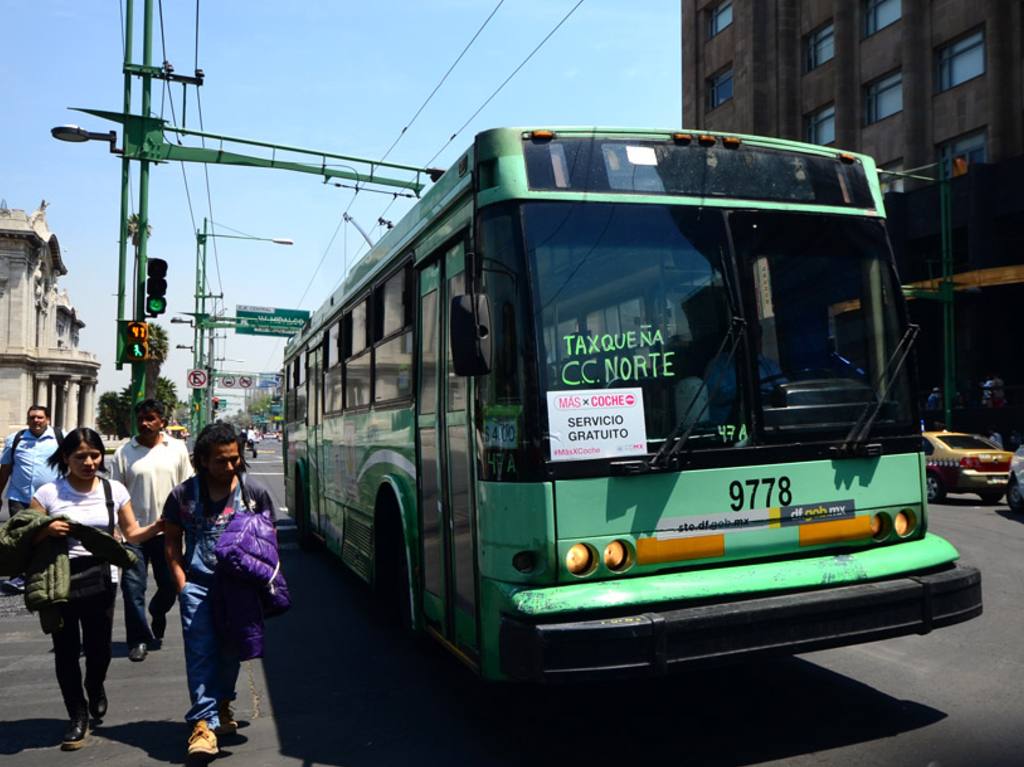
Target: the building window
pixel 961 61
pixel 821 125
pixel 819 47
pixel 972 148
pixel 719 18
pixel 879 14
pixel 719 88
pixel 883 97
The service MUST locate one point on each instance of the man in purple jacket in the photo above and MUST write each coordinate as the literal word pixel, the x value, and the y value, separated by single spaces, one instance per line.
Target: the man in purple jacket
pixel 198 511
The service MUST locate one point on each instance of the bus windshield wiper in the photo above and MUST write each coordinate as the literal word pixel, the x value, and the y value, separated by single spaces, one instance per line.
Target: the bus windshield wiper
pixel 679 436
pixel 854 445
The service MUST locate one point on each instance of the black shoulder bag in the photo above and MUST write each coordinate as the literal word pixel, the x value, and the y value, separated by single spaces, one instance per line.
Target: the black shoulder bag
pixel 90 576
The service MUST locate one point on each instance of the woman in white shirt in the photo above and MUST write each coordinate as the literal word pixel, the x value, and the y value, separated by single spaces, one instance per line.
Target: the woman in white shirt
pixel 88 616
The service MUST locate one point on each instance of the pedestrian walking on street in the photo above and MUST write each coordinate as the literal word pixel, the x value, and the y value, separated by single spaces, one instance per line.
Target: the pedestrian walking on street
pixel 149 465
pixel 24 463
pixel 196 514
pixel 78 500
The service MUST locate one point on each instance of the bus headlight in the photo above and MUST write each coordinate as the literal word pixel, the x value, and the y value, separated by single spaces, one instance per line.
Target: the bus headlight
pixel 616 556
pixel 579 560
pixel 904 523
pixel 881 526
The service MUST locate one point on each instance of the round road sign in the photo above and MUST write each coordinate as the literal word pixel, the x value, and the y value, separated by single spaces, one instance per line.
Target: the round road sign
pixel 197 379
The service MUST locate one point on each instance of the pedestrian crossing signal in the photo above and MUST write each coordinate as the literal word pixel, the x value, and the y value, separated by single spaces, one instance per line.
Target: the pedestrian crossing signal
pixel 134 341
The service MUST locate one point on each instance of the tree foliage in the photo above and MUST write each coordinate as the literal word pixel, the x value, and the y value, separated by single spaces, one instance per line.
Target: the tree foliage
pixel 114 415
pixel 115 408
pixel 158 350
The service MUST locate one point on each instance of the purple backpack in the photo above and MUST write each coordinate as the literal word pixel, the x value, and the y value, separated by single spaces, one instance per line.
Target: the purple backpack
pixel 247 550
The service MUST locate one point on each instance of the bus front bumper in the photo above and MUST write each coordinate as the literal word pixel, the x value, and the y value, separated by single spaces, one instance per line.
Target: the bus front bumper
pixel 666 640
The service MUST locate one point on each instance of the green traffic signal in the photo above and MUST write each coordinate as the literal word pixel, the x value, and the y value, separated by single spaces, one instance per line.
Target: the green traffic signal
pixel 156 287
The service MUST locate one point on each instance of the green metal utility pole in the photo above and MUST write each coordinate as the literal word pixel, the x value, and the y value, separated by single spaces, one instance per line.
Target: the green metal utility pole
pixel 201 414
pixel 198 410
pixel 143 140
pixel 138 389
pixel 946 291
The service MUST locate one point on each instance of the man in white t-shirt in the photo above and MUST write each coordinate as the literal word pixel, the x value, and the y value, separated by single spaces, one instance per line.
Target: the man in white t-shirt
pixel 150 465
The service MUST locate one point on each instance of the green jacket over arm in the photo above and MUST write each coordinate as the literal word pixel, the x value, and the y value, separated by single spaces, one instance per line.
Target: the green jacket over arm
pixel 47 565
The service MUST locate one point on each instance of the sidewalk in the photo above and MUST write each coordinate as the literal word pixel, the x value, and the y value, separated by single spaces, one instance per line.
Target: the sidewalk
pixel 145 722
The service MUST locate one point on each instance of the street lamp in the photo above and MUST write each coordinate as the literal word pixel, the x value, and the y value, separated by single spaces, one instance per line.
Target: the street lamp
pixel 77 135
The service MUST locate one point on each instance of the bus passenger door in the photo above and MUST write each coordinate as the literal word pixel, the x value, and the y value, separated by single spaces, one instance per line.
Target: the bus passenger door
pixel 445 479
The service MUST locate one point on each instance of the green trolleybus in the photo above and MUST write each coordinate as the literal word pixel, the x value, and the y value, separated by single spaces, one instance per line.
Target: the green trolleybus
pixel 613 402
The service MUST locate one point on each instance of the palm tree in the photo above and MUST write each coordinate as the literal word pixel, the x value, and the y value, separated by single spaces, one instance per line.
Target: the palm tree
pixel 133 229
pixel 158 348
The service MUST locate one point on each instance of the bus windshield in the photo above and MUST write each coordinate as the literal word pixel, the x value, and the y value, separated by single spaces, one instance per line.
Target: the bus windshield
pixel 632 297
pixel 823 322
pixel 639 298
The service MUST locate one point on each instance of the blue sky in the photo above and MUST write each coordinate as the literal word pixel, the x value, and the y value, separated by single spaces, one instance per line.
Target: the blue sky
pixel 334 76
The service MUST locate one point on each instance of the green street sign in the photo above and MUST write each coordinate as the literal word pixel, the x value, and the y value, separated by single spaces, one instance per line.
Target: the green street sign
pixel 269 321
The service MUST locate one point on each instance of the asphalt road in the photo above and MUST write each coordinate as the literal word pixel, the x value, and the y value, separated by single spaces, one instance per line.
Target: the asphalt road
pixel 337 689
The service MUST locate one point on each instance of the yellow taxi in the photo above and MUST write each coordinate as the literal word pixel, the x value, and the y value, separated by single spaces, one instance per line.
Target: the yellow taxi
pixel 964 463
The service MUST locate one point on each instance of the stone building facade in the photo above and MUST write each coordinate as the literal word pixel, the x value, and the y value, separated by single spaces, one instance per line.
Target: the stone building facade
pixel 40 362
pixel 908 82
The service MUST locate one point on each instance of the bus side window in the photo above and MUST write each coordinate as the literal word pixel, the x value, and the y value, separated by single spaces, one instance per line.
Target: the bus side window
pixel 393 348
pixel 300 387
pixel 333 370
pixel 357 364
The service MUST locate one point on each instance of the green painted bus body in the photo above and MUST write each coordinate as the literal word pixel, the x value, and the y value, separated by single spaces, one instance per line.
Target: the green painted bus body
pixel 337 468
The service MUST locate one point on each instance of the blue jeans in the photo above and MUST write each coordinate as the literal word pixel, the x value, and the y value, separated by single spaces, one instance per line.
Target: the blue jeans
pixel 133 589
pixel 212 672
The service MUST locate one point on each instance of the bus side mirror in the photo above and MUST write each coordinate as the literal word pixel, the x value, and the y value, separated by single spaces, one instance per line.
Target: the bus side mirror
pixel 470 331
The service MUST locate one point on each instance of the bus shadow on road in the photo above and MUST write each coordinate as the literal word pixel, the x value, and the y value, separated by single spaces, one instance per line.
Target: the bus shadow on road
pixel 346 691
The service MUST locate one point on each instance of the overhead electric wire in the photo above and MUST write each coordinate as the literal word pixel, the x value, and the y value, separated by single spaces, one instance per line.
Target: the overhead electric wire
pixel 505 82
pixel 443 78
pixel 320 263
pixel 209 199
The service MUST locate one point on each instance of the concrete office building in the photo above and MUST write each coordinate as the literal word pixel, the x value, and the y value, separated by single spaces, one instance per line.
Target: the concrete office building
pixel 912 83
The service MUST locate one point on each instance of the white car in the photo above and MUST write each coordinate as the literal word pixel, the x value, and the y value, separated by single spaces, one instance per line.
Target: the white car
pixel 1015 489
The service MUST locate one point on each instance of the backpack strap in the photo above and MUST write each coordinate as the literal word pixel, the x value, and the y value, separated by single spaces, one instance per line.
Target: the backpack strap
pixel 109 495
pixel 14 445
pixel 246 498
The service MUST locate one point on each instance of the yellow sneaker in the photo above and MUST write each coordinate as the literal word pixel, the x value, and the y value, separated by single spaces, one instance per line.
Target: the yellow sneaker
pixel 202 740
pixel 228 725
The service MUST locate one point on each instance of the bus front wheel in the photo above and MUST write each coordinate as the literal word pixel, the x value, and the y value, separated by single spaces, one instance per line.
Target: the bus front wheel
pixel 390 568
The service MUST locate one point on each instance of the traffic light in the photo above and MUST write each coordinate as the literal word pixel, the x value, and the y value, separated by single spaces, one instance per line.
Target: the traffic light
pixel 134 341
pixel 156 287
pixel 216 403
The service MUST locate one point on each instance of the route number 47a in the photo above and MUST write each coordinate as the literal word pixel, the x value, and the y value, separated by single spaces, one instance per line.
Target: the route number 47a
pixel 759 493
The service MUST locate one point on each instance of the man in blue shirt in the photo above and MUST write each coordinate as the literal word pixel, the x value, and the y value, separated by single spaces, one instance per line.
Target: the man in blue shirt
pixel 24 464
